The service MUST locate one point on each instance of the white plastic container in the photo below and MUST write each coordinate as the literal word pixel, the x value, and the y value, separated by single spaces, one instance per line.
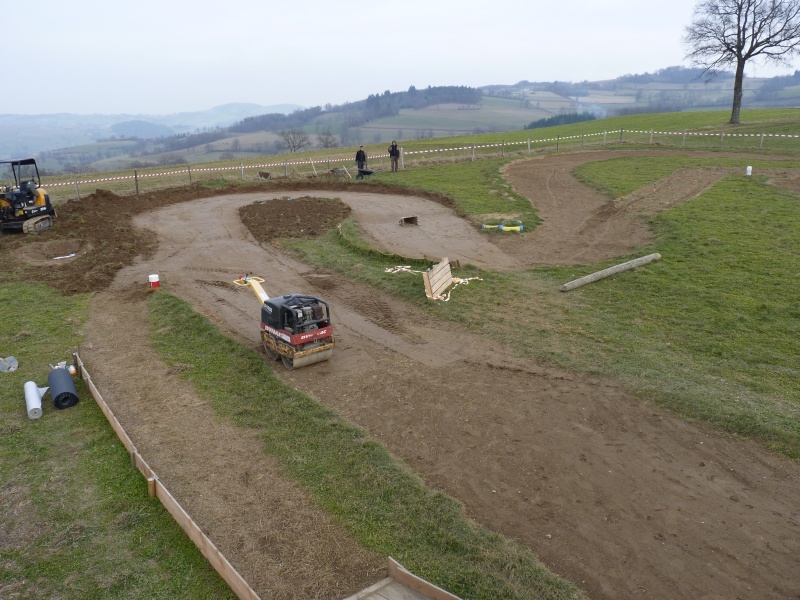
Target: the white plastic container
pixel 33 399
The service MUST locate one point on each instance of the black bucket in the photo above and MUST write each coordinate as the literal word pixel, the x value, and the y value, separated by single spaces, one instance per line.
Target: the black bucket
pixel 62 388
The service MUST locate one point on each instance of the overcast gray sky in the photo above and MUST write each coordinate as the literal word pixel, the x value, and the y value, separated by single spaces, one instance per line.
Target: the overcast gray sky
pixel 163 56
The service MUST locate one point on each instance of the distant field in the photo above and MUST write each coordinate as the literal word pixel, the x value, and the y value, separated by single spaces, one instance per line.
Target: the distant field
pixel 502 109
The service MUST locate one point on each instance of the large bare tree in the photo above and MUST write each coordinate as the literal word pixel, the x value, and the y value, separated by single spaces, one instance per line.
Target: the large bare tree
pixel 327 140
pixel 730 32
pixel 294 139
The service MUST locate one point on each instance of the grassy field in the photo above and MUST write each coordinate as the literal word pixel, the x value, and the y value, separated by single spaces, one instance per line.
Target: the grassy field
pixel 385 506
pixel 77 520
pixel 710 331
pixel 598 134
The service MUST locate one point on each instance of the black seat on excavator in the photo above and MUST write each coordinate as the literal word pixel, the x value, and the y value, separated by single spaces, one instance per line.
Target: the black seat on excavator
pixel 29 187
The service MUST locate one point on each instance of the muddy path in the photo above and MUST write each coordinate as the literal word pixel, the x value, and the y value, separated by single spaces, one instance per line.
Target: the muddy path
pixel 611 492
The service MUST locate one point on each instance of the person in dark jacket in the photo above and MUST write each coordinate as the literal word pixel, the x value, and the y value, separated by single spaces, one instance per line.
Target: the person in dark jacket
pixel 361 158
pixel 394 155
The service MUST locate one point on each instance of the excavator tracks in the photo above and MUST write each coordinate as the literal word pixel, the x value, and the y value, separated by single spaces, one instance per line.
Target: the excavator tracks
pixel 37 224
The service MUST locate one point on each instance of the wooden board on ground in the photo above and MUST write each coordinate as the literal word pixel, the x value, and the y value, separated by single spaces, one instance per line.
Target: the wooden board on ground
pixel 437 279
pixel 411 581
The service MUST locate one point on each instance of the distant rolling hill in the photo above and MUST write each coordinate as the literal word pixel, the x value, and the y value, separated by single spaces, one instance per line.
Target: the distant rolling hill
pixel 75 143
pixel 28 135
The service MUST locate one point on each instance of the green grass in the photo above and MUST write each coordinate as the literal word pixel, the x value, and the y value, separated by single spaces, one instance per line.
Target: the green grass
pixel 710 331
pixel 477 188
pixel 77 520
pixel 384 505
pixel 617 177
pixel 713 329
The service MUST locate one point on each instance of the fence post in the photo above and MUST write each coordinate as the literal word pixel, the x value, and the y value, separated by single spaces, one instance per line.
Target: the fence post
pixel 529 145
pixel 582 141
pixel 620 135
pixel 651 136
pixel 241 171
pixel 284 167
pixel 503 149
pixel 604 137
pixel 402 158
pixel 558 139
pixel 136 180
pixel 761 145
pixel 329 163
pixel 473 152
pixel 683 139
pixel 721 138
pixel 77 191
pixel 189 168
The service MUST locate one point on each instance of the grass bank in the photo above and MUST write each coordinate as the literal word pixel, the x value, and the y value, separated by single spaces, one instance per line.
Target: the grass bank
pixel 77 520
pixel 381 502
pixel 710 331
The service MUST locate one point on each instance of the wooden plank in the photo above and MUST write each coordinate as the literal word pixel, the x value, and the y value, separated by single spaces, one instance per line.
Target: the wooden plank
pixel 205 545
pixel 110 417
pixel 427 281
pixel 216 559
pixel 142 466
pixel 439 290
pixel 411 581
pixel 441 275
pixel 437 279
pixel 441 282
pixel 442 264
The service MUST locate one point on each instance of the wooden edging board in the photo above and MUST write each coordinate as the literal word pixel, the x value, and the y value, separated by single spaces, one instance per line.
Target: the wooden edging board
pixel 411 581
pixel 215 558
pixel 437 279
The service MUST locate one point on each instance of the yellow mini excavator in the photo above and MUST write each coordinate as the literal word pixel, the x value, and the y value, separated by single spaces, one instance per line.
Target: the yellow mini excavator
pixel 24 205
pixel 295 328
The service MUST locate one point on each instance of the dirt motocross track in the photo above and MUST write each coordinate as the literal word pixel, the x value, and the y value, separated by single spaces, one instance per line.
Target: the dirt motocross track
pixel 613 493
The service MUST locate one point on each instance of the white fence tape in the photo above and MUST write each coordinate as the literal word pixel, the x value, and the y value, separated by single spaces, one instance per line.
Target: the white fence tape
pixel 528 142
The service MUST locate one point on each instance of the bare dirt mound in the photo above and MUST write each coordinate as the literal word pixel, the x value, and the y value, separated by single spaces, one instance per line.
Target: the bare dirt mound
pixel 617 495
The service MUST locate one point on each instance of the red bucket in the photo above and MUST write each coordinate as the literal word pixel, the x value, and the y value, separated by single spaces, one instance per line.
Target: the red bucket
pixel 153 282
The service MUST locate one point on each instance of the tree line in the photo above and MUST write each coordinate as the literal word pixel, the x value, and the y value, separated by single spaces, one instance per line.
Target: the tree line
pixel 375 106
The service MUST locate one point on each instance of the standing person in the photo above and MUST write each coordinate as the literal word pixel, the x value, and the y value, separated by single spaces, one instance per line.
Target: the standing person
pixel 394 154
pixel 361 158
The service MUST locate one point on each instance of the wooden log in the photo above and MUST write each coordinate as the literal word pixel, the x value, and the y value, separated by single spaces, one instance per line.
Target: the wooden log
pixel 631 264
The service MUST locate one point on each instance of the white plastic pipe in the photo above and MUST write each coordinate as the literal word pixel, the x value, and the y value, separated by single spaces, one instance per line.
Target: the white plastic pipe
pixel 33 399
